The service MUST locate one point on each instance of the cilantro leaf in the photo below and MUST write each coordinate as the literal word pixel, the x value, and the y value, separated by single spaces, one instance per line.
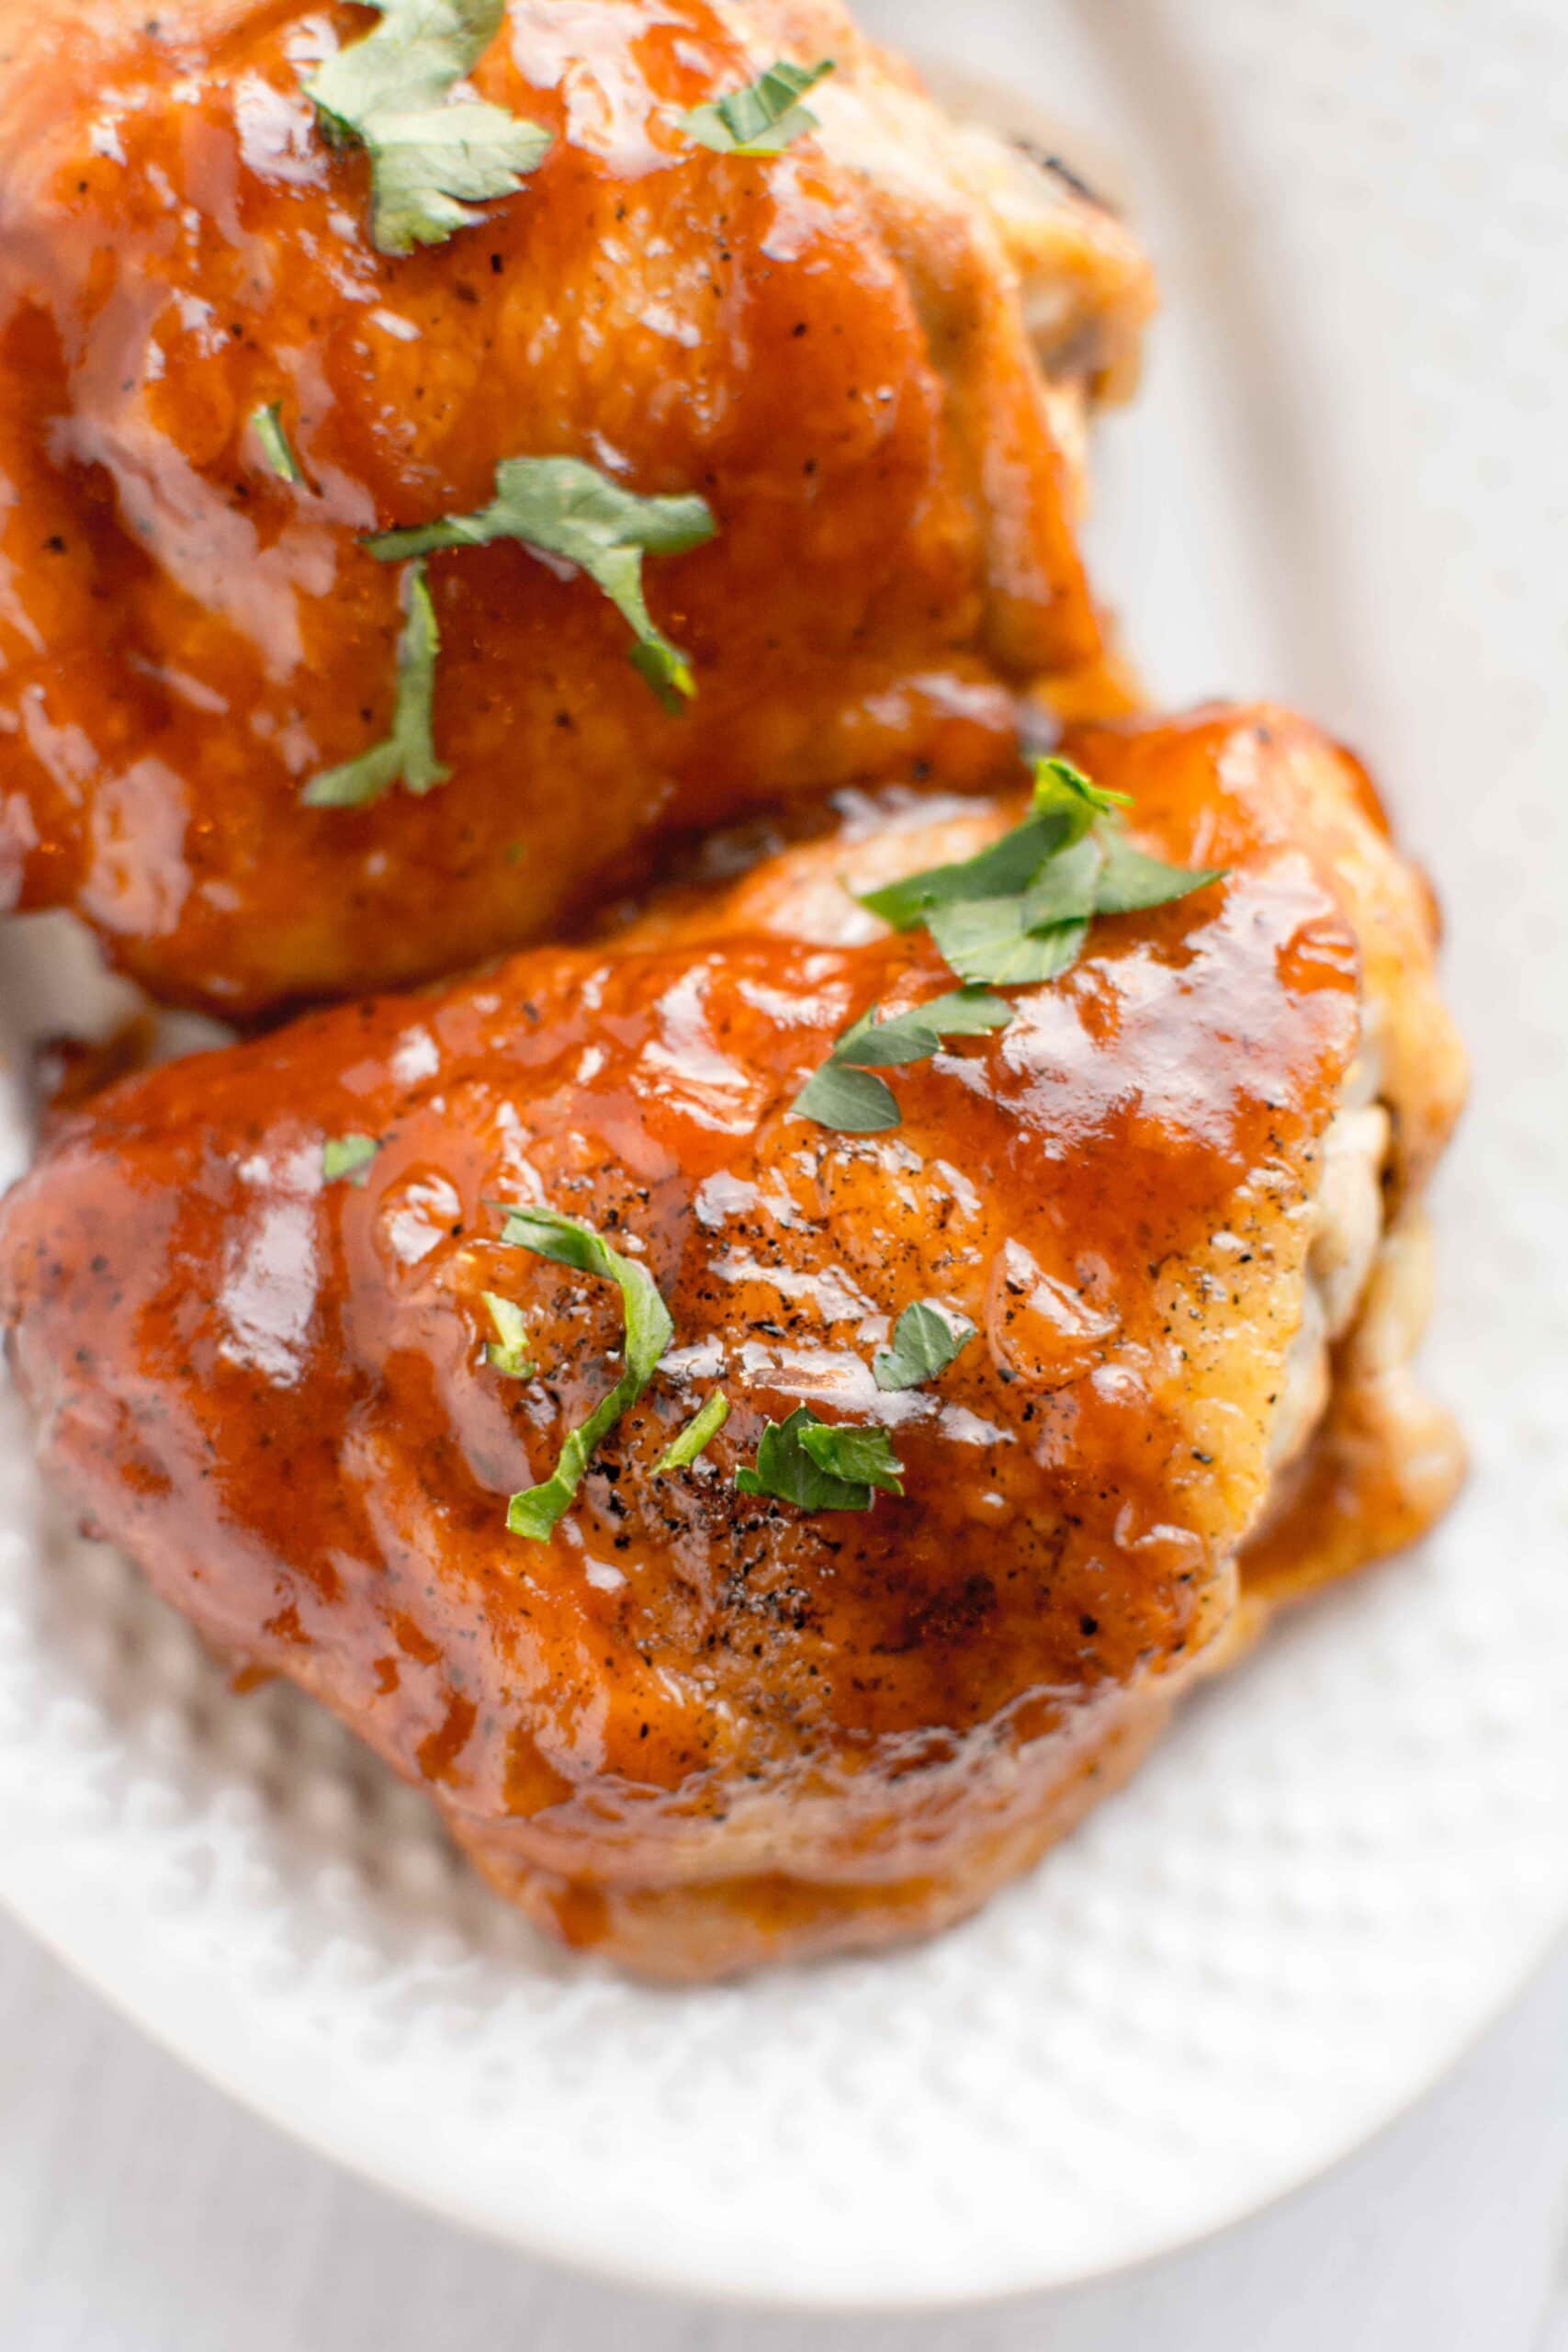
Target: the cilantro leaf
pixel 1061 786
pixel 859 1456
pixel 1067 889
pixel 348 1157
pixel 844 1094
pixel 763 117
pixel 1003 868
pixel 535 1512
pixel 409 751
pixel 990 941
pixel 1129 880
pixel 924 1345
pixel 1035 935
pixel 697 1435
pixel 1017 913
pixel 806 1462
pixel 917 1034
pixel 391 93
pixel 852 1101
pixel 560 507
pixel 1062 809
pixel 267 424
pixel 508 1352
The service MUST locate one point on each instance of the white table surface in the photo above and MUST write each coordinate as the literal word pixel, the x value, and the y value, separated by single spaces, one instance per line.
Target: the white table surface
pixel 140 2211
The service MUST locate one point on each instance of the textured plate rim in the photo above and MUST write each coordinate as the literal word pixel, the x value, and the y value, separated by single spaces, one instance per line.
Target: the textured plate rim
pixel 145 1996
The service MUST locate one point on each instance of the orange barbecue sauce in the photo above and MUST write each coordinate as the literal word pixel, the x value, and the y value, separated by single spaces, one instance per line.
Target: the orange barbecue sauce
pixel 185 639
pixel 701 1726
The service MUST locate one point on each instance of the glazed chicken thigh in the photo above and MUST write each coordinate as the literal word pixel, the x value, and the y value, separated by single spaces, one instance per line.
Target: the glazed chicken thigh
pixel 270 1310
pixel 276 716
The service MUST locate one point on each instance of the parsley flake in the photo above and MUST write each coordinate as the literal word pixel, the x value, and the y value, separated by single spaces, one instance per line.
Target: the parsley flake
pixel 924 1345
pixel 267 426
pixel 1014 915
pixel 992 940
pixel 851 1101
pixel 844 1094
pixel 346 1159
pixel 562 507
pixel 508 1352
pixel 696 1437
pixel 431 154
pixel 535 1512
pixel 819 1465
pixel 1003 869
pixel 861 1457
pixel 1059 786
pixel 764 117
pixel 1019 913
pixel 408 752
pixel 1129 880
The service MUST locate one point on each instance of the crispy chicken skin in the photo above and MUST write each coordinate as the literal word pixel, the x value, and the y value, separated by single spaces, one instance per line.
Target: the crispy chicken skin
pixel 696 1729
pixel 1364 1460
pixel 870 354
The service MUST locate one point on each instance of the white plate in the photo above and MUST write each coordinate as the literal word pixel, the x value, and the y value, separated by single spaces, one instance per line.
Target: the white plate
pixel 1347 484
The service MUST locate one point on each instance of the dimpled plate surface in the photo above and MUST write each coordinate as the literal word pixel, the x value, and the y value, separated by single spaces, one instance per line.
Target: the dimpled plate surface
pixel 1347 484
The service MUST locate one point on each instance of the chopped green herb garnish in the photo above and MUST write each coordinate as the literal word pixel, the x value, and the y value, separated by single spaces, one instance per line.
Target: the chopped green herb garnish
pixel 763 117
pixel 1016 914
pixel 853 1102
pixel 1058 784
pixel 1062 810
pixel 560 507
pixel 819 1465
pixel 1001 870
pixel 537 1510
pixel 859 1456
pixel 508 1352
pixel 991 940
pixel 408 752
pixel 924 1345
pixel 346 1159
pixel 1129 880
pixel 391 93
pixel 1019 913
pixel 697 1435
pixel 844 1094
pixel 917 1034
pixel 267 426
pixel 1065 889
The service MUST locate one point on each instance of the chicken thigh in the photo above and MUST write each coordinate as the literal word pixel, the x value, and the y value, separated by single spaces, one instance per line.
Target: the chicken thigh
pixel 332 503
pixel 1008 1364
